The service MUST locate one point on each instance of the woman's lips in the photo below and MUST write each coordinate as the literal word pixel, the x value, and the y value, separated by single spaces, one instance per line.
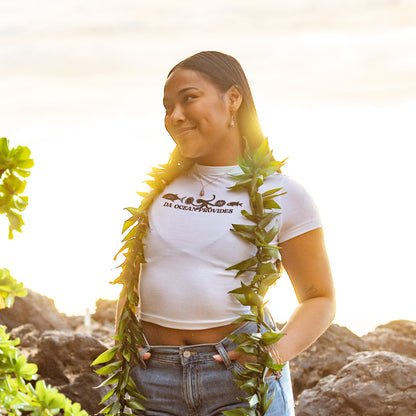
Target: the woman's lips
pixel 183 131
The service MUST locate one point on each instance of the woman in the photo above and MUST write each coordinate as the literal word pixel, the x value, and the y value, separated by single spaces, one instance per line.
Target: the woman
pixel 187 310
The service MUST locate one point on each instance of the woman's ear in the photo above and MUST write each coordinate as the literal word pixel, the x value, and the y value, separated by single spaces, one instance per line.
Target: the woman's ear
pixel 235 98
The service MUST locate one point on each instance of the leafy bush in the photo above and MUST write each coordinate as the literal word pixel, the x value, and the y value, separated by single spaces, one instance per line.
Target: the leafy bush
pixel 20 393
pixel 14 165
pixel 17 393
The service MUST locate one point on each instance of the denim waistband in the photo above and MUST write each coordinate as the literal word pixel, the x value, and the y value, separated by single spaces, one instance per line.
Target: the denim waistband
pixel 197 352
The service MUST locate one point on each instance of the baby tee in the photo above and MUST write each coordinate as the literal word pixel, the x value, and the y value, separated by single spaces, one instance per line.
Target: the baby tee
pixel 189 245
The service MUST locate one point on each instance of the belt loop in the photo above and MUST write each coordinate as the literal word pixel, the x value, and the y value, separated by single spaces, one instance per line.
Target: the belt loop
pixel 223 353
pixel 145 349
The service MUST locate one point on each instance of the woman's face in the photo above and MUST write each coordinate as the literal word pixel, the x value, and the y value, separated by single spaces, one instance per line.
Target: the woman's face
pixel 198 117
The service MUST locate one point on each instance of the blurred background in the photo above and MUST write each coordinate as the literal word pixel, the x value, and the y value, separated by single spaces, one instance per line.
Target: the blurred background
pixel 335 87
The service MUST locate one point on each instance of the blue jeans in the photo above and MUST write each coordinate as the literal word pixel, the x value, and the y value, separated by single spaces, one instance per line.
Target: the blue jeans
pixel 187 381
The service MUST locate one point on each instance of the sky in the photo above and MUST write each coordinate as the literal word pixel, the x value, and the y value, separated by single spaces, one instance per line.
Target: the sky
pixel 335 87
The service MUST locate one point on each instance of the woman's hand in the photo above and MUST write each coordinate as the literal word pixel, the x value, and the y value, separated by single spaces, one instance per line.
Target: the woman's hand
pixel 235 356
pixel 144 353
pixel 243 358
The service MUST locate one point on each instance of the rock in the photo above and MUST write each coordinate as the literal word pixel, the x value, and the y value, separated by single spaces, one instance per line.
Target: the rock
pixel 396 336
pixel 326 356
pixel 34 309
pixel 64 360
pixel 27 334
pixel 75 321
pixel 374 383
pixel 105 311
pixel 82 390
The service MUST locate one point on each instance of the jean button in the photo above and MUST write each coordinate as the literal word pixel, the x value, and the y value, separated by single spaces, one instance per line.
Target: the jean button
pixel 187 354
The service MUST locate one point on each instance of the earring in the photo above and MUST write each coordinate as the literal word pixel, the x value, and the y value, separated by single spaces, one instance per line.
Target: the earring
pixel 232 123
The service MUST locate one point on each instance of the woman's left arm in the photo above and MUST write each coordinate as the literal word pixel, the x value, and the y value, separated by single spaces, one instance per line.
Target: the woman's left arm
pixel 306 262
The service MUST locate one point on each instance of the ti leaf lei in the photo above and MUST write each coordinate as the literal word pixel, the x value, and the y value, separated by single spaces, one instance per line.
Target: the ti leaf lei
pixel 125 355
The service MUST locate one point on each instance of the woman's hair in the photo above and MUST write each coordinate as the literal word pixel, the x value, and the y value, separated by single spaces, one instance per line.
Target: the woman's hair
pixel 224 71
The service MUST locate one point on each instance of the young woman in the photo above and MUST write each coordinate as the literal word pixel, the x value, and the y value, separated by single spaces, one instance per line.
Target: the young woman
pixel 187 310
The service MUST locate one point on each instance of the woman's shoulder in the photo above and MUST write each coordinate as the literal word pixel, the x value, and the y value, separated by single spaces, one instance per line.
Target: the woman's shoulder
pixel 287 184
pixel 298 211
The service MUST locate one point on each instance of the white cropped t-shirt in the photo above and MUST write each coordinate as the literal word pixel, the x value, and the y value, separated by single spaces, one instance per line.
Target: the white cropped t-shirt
pixel 188 246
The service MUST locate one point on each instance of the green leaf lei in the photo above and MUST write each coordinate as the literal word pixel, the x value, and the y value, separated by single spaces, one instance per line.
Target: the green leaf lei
pixel 255 168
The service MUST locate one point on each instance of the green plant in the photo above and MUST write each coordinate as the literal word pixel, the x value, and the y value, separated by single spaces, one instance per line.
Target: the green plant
pixel 14 165
pixel 20 393
pixel 17 393
pixel 255 168
pixel 9 289
pixel 264 210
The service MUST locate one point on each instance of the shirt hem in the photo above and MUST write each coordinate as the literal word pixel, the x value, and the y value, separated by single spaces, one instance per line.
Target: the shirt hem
pixel 197 325
pixel 302 229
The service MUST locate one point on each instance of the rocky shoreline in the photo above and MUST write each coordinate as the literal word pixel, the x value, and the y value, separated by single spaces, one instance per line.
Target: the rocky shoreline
pixel 341 374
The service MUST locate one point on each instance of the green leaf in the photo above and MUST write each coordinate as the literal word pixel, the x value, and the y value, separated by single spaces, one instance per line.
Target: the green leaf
pixel 247 296
pixel 269 338
pixel 273 252
pixel 108 409
pixel 132 404
pixel 246 236
pixel 244 318
pixel 106 355
pixel 266 219
pixel 271 193
pixel 271 204
pixel 271 234
pixel 247 350
pixel 107 396
pixel 245 228
pixel 110 380
pixel 240 411
pixel 253 400
pixel 249 216
pixel 108 369
pixel 133 393
pixel 244 265
pixel 269 402
pixel 257 367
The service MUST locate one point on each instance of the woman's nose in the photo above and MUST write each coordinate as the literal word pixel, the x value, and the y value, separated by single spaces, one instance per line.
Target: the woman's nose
pixel 176 114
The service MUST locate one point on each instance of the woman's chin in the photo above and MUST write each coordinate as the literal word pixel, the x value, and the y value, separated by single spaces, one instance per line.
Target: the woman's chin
pixel 188 152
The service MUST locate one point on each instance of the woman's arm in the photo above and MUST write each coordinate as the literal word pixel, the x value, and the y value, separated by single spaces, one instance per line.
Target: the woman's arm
pixel 306 262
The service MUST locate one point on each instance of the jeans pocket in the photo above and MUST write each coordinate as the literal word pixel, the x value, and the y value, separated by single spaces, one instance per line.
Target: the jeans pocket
pixel 279 406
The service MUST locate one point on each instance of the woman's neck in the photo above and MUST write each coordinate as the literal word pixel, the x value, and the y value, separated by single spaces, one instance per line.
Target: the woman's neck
pixel 227 156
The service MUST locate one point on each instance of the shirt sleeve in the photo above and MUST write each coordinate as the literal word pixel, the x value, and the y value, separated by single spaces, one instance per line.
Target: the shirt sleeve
pixel 299 213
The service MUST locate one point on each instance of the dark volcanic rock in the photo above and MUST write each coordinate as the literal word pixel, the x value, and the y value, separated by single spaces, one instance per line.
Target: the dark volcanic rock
pixel 396 336
pixel 330 378
pixel 64 361
pixel 34 309
pixel 326 356
pixel 105 311
pixel 82 390
pixel 373 384
pixel 28 335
